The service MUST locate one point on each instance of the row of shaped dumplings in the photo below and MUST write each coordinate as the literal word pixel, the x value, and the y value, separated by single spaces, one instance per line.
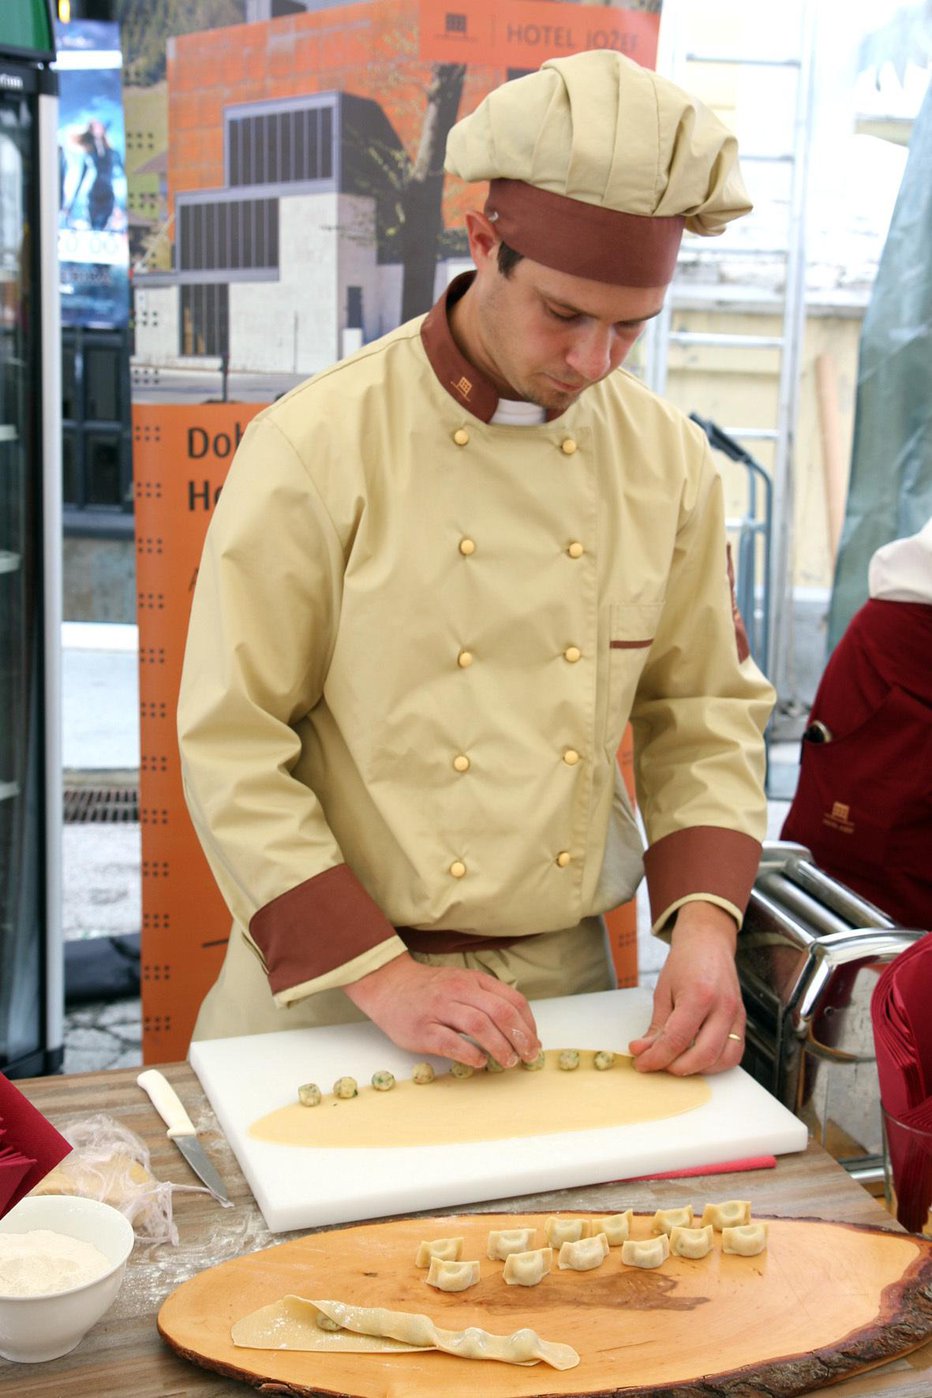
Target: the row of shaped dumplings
pixel 310 1095
pixel 583 1244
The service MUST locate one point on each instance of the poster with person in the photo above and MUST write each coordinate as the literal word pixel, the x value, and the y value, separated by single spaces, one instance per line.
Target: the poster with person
pixel 93 246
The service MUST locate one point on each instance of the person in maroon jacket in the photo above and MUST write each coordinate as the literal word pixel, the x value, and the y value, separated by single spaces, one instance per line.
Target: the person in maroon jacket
pixel 863 805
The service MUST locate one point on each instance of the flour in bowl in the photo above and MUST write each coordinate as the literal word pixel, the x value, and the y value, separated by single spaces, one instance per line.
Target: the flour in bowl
pixel 39 1262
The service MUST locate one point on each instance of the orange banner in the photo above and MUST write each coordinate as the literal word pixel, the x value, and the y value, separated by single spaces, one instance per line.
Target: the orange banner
pixel 524 33
pixel 180 460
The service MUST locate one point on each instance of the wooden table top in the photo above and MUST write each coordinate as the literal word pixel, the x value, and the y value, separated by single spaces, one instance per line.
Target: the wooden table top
pixel 123 1356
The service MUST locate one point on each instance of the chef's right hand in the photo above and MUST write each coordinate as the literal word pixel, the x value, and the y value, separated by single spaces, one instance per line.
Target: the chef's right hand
pixel 428 1009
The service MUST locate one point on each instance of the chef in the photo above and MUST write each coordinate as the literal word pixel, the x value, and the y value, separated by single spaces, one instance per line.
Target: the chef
pixel 442 577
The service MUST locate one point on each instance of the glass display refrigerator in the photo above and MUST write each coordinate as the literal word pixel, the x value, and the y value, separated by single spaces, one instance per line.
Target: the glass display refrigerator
pixel 31 959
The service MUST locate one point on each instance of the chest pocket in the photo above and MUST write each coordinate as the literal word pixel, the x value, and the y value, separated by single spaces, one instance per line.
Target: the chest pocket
pixel 632 627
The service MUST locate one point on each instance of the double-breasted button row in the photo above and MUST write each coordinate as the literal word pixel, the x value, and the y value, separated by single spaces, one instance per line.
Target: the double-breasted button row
pixel 461 762
pixel 568 446
pixel 458 868
pixel 467 548
pixel 465 657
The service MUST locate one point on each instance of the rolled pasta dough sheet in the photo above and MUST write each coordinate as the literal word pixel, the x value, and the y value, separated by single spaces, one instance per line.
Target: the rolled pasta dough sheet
pixel 486 1108
pixel 293 1323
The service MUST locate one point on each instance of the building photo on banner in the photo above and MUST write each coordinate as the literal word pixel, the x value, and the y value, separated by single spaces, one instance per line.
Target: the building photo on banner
pixel 271 185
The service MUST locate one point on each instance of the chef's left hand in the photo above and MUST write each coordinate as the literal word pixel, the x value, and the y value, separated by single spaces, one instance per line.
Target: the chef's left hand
pixel 698 1019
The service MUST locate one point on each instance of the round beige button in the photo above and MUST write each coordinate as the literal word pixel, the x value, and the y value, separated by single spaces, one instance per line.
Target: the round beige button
pixel 457 868
pixel 572 654
pixel 568 446
pixel 461 436
pixel 464 659
pixel 461 762
pixel 576 550
pixel 467 546
pixel 571 757
pixel 563 858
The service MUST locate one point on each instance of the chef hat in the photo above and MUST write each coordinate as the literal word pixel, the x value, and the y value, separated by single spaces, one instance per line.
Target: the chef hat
pixel 597 164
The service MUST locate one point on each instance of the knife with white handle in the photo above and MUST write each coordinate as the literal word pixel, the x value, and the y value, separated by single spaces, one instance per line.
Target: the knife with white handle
pixel 166 1102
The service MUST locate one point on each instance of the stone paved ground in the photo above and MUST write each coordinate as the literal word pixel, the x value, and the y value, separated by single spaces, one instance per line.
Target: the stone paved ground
pixel 103 1034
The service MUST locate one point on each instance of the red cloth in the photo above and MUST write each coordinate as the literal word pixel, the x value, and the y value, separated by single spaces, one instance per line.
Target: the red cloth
pixel 29 1146
pixel 900 1013
pixel 863 804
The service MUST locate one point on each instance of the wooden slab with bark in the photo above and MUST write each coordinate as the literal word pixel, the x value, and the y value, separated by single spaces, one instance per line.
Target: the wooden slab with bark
pixel 824 1301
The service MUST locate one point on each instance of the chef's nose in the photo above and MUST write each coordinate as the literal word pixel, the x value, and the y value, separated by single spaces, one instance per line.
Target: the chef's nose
pixel 591 354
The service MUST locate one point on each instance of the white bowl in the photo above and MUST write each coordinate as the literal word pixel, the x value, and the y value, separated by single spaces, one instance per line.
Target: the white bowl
pixel 34 1328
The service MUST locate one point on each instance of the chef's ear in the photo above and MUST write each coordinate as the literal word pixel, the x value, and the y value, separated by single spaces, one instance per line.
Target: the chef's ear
pixel 483 240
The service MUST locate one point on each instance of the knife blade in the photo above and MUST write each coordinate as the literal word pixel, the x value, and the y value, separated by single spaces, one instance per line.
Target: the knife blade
pixel 166 1102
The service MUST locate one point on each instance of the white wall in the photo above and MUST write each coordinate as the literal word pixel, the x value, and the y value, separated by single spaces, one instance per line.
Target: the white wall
pixel 326 243
pixel 358 261
pixel 292 324
pixel 156 311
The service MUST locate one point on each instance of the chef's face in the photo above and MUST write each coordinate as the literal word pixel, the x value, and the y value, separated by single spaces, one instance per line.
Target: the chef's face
pixel 541 335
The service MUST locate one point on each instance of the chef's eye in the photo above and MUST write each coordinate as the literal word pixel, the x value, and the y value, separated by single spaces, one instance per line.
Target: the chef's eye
pixel 561 315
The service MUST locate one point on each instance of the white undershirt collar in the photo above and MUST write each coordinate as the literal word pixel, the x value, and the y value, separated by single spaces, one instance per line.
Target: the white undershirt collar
pixel 514 413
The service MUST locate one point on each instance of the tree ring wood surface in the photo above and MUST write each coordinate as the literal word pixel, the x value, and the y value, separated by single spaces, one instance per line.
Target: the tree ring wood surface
pixel 825 1300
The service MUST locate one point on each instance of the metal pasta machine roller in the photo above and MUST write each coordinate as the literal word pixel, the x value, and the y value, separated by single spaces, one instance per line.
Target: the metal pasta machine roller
pixel 809 956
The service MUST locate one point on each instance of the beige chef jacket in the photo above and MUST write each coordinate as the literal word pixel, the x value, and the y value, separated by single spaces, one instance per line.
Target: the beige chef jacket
pixel 416 639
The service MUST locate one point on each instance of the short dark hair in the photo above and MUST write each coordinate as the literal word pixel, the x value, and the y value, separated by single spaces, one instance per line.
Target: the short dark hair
pixel 507 259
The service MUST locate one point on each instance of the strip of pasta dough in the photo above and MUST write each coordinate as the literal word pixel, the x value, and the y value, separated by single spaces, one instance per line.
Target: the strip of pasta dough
pixel 293 1323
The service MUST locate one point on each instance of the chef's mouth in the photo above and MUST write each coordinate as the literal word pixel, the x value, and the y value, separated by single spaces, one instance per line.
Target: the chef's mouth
pixel 566 387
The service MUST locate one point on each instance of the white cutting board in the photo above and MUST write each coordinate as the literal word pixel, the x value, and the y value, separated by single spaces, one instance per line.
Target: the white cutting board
pixel 298 1187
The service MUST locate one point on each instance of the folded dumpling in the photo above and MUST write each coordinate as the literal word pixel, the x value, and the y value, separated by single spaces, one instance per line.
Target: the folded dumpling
pixel 504 1241
pixel 691 1242
pixel 747 1240
pixel 527 1268
pixel 648 1252
pixel 452 1276
pixel 447 1249
pixel 665 1220
pixel 617 1227
pixel 731 1214
pixel 566 1230
pixel 585 1253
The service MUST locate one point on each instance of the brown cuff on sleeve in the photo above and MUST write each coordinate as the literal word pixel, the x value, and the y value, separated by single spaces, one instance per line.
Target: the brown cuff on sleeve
pixel 701 860
pixel 317 926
